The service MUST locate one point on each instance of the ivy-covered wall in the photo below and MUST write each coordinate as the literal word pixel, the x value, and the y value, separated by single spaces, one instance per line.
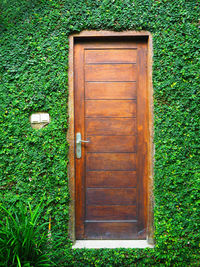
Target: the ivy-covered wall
pixel 34 77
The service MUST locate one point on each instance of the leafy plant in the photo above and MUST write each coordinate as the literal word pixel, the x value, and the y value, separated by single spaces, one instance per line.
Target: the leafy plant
pixel 23 241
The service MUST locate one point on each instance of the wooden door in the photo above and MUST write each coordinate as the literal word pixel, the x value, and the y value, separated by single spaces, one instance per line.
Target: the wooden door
pixel 111 112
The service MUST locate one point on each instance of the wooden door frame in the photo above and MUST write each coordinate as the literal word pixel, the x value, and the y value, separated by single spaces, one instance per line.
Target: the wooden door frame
pixel 71 136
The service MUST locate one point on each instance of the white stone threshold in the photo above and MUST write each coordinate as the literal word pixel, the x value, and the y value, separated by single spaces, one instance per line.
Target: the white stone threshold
pixel 97 244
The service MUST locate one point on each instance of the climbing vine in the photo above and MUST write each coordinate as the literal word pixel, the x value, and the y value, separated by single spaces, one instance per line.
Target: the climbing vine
pixel 34 77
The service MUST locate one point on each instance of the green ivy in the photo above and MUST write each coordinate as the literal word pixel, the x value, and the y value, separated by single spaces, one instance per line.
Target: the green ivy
pixel 34 77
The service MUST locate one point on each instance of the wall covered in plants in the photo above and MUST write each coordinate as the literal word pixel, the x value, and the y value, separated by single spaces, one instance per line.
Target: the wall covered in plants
pixel 34 77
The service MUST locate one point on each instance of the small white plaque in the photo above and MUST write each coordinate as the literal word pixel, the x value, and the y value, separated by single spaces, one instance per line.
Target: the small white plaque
pixel 35 118
pixel 44 117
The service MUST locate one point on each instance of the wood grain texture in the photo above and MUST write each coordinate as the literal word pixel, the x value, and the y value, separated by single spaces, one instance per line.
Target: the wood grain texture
pixel 116 212
pixel 108 143
pixel 70 138
pixel 110 72
pixel 111 196
pixel 111 230
pixel 110 126
pixel 111 161
pixel 121 36
pixel 110 108
pixel 111 111
pixel 143 139
pixel 111 179
pixel 79 127
pixel 111 56
pixel 110 90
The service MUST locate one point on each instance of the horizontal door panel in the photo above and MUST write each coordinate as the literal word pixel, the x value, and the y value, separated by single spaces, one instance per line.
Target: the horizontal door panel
pixel 116 212
pixel 110 108
pixel 114 44
pixel 111 230
pixel 111 144
pixel 110 56
pixel 110 90
pixel 110 126
pixel 111 179
pixel 111 161
pixel 110 72
pixel 111 196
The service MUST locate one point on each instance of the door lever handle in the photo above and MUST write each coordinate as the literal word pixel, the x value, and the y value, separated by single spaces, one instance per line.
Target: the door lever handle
pixel 81 141
pixel 78 145
pixel 84 141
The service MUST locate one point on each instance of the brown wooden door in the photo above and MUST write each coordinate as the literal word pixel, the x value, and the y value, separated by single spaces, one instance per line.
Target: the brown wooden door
pixel 111 112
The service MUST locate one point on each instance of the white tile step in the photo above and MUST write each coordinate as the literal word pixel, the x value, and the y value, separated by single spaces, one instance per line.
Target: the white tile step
pixel 97 244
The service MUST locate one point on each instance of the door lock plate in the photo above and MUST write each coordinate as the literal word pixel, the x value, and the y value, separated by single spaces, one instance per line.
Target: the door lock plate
pixel 78 145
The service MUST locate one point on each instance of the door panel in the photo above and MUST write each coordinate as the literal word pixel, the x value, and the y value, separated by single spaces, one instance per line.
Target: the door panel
pixel 111 212
pixel 110 230
pixel 111 161
pixel 111 143
pixel 110 90
pixel 110 72
pixel 111 113
pixel 111 56
pixel 110 108
pixel 111 179
pixel 110 126
pixel 111 196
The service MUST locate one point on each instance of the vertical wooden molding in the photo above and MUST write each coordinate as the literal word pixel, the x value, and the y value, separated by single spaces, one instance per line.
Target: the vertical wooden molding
pixel 150 219
pixel 70 138
pixel 79 110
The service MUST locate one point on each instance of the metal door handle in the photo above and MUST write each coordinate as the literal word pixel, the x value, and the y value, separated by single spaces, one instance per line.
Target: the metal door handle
pixel 83 141
pixel 78 145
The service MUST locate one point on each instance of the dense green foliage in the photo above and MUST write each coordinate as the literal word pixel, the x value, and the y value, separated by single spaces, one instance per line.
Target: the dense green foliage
pixel 33 75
